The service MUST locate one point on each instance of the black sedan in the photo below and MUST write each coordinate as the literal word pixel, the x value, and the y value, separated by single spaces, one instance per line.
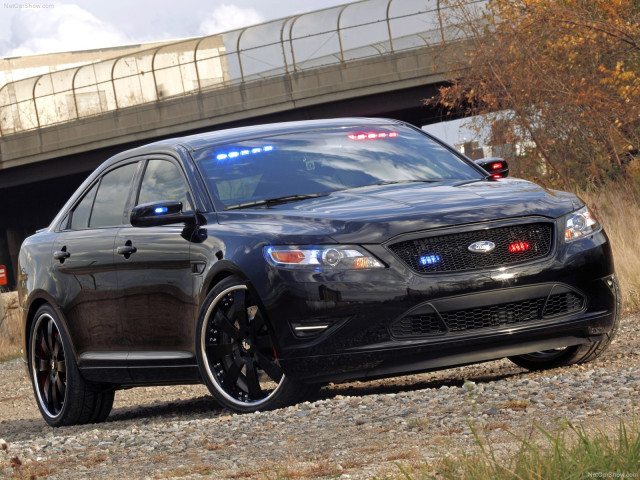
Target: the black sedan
pixel 267 260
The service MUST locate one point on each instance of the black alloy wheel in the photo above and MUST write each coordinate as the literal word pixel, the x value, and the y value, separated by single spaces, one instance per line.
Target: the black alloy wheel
pixel 49 366
pixel 63 396
pixel 236 355
pixel 575 354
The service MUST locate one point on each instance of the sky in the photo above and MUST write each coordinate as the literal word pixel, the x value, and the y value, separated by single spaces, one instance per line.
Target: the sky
pixel 34 27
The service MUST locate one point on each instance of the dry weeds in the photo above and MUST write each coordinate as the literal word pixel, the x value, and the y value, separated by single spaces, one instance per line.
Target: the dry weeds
pixel 516 405
pixel 619 212
pixel 10 336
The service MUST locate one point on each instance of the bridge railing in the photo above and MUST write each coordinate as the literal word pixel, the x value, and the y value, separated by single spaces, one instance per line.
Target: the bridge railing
pixel 297 43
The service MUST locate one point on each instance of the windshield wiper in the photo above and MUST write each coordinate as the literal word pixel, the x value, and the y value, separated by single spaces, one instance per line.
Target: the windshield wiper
pixel 277 200
pixel 392 182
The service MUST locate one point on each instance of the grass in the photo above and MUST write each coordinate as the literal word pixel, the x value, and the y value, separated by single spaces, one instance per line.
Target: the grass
pixel 571 453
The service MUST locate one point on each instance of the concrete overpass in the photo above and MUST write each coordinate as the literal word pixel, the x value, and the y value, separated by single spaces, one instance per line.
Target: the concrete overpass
pixel 370 58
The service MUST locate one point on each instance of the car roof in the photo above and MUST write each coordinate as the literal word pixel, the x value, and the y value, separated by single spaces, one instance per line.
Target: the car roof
pixel 204 140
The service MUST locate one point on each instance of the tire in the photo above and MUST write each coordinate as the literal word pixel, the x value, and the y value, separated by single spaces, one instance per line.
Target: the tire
pixel 575 354
pixel 62 395
pixel 236 354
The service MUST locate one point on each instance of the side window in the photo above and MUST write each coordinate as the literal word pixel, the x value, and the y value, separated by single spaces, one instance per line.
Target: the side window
pixel 80 215
pixel 163 180
pixel 111 198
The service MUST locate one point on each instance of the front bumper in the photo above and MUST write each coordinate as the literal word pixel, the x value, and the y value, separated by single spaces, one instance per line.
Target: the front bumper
pixel 359 310
pixel 420 357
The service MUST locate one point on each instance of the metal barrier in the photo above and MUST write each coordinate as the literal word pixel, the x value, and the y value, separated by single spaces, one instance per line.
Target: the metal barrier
pixel 280 47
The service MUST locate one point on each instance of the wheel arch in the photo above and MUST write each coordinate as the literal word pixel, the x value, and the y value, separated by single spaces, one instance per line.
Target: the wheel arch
pixel 38 300
pixel 218 272
pixel 224 269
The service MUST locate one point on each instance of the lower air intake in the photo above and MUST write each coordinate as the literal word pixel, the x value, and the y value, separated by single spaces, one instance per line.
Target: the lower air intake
pixel 490 316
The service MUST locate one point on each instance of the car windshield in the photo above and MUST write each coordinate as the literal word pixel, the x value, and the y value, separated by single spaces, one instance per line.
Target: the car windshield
pixel 290 167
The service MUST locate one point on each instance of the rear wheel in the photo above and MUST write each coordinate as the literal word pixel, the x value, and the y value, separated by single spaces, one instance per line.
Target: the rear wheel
pixel 236 354
pixel 63 396
pixel 574 354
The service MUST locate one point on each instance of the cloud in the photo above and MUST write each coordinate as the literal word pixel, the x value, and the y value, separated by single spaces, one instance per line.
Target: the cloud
pixel 65 27
pixel 228 17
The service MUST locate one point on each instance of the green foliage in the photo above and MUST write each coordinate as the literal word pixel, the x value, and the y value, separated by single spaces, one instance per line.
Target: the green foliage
pixel 571 453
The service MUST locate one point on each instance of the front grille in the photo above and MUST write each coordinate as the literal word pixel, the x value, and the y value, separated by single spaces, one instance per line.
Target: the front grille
pixel 513 313
pixel 450 252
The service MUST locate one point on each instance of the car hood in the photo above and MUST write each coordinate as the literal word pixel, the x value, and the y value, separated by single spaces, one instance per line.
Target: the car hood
pixel 375 214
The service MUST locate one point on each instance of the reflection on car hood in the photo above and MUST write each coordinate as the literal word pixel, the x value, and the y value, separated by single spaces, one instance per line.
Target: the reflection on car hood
pixel 377 213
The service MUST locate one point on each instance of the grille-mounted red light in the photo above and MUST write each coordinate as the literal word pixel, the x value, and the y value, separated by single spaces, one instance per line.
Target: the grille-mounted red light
pixel 371 135
pixel 519 247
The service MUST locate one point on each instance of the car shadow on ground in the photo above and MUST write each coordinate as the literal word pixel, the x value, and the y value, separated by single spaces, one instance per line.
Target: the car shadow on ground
pixel 200 406
pixel 400 384
pixel 207 407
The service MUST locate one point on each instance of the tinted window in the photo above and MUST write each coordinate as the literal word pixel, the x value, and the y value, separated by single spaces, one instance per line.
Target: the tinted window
pixel 80 215
pixel 163 180
pixel 326 160
pixel 111 198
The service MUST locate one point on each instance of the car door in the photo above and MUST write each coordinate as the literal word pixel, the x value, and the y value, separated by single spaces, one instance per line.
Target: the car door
pixel 154 275
pixel 83 268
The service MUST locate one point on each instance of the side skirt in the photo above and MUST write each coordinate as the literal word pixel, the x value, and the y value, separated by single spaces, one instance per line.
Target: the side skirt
pixel 127 368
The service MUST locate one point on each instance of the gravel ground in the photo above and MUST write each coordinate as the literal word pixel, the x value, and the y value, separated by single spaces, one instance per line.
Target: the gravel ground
pixel 351 430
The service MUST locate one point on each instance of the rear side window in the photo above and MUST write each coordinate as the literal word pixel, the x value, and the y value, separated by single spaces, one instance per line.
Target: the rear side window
pixel 163 180
pixel 82 212
pixel 111 198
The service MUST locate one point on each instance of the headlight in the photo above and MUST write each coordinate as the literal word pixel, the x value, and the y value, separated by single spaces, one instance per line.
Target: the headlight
pixel 580 224
pixel 328 257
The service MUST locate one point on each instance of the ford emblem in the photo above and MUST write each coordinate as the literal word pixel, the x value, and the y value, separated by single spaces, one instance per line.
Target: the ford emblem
pixel 483 246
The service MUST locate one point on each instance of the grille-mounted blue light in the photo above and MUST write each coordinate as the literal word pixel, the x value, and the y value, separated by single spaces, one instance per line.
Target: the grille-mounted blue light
pixel 429 259
pixel 160 210
pixel 232 154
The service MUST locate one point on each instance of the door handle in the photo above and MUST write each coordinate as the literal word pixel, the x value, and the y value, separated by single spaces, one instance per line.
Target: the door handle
pixel 126 250
pixel 61 255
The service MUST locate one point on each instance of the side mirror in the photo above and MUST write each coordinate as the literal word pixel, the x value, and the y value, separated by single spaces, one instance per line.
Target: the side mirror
pixel 497 167
pixel 159 213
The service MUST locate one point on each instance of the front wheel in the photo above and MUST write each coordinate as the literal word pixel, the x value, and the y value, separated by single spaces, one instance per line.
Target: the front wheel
pixel 236 355
pixel 587 352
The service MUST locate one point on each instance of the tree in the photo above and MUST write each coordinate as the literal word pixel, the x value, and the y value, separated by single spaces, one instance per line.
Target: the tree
pixel 566 74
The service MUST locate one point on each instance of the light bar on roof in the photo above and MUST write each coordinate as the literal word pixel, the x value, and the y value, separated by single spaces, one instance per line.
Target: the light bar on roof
pixel 235 153
pixel 371 135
